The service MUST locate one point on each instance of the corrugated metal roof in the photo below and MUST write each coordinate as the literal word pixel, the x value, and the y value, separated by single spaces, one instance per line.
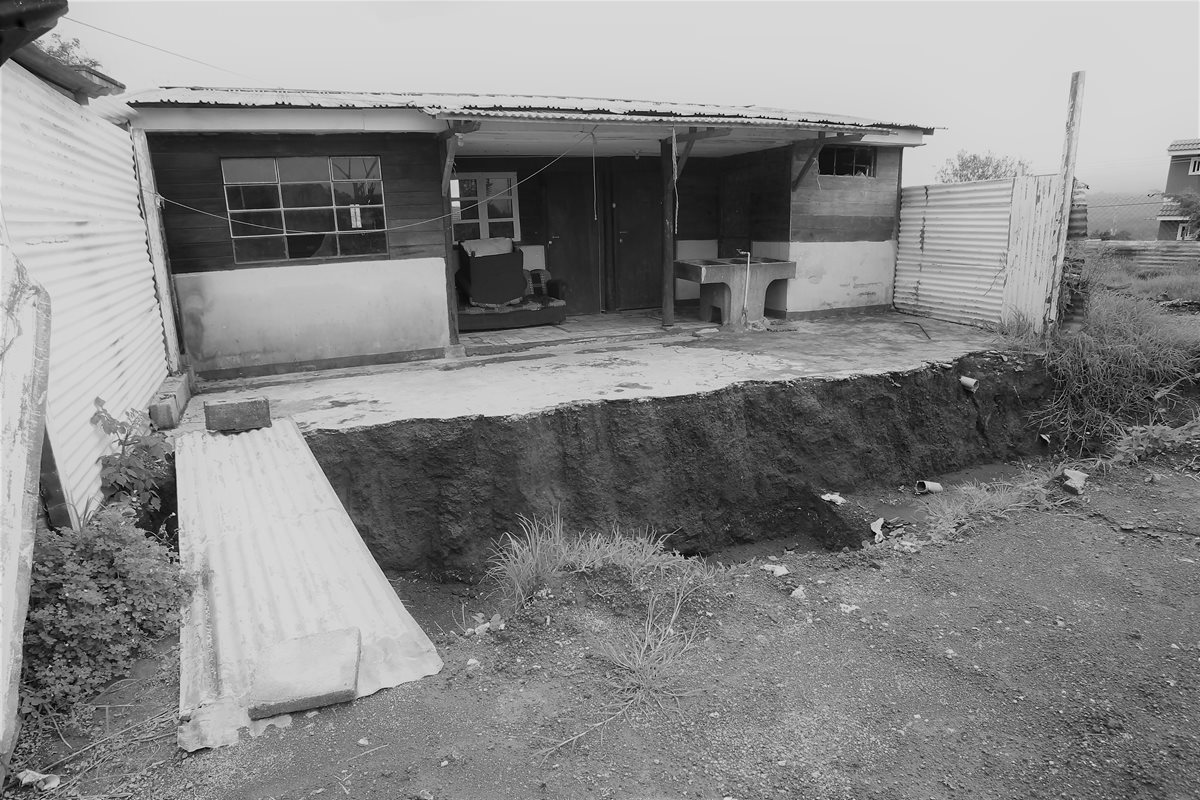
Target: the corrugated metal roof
pixel 1184 144
pixel 71 205
pixel 275 557
pixel 532 107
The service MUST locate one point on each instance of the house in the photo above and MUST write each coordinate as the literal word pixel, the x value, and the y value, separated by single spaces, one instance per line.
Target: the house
pixel 312 229
pixel 1183 177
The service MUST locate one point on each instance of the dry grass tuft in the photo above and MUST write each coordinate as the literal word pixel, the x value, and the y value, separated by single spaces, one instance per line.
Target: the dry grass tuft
pixel 971 505
pixel 1125 367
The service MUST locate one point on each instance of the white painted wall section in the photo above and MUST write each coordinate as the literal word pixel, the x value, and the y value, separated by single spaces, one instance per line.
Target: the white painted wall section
pixel 302 313
pixel 831 275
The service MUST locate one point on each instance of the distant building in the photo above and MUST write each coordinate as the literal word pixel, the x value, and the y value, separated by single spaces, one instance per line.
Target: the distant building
pixel 1183 176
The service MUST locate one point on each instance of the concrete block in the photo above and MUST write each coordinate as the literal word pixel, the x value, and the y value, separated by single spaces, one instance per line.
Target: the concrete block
pixel 232 416
pixel 169 404
pixel 306 672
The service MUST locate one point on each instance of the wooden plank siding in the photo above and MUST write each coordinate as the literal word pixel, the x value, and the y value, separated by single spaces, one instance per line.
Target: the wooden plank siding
pixel 842 208
pixel 187 168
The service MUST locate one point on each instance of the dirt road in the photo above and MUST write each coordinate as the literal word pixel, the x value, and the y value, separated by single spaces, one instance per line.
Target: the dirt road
pixel 1056 654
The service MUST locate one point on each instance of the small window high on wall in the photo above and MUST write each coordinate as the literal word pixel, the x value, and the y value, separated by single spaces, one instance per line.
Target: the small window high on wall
pixel 484 205
pixel 847 160
pixel 304 207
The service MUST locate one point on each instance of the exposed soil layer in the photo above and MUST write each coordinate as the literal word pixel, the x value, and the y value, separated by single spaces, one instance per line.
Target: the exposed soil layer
pixel 744 463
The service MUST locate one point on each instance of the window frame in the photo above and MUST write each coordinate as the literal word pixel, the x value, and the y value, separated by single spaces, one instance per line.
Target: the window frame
pixel 871 150
pixel 282 233
pixel 1194 166
pixel 483 220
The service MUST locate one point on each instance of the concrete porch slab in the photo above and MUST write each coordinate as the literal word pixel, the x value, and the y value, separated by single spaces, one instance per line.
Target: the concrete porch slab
pixel 537 380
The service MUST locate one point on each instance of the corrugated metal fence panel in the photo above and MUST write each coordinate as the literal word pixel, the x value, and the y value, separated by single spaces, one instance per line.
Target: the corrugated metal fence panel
pixel 1077 227
pixel 275 557
pixel 952 251
pixel 1032 249
pixel 71 204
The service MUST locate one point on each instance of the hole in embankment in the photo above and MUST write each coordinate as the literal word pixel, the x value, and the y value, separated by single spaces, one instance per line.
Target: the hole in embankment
pixel 730 468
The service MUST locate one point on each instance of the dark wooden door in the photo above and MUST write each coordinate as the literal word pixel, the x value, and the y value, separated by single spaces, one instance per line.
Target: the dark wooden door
pixel 637 240
pixel 573 238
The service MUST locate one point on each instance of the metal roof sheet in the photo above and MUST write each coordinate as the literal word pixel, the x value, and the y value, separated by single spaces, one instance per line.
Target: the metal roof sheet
pixel 1184 144
pixel 533 107
pixel 275 558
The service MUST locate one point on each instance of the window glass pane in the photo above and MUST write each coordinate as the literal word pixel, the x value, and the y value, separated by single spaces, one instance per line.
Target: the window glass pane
pixel 312 221
pixel 248 170
pixel 469 187
pixel 361 244
pixel 265 249
pixel 312 168
pixel 360 218
pixel 358 193
pixel 499 187
pixel 258 196
pixel 354 167
pixel 825 161
pixel 470 208
pixel 501 229
pixel 499 208
pixel 317 245
pixel 298 195
pixel 256 223
pixel 466 230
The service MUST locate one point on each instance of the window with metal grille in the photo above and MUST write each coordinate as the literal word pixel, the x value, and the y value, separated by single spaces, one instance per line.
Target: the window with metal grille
pixel 304 207
pixel 847 160
pixel 484 205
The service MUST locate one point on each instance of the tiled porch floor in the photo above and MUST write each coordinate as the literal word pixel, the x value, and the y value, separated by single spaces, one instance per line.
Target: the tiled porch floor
pixel 588 327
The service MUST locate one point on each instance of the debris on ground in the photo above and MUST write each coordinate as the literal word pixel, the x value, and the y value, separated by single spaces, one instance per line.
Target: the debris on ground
pixel 833 497
pixel 1075 480
pixel 778 570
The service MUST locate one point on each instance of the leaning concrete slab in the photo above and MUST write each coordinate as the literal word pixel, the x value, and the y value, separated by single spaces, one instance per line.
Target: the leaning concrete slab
pixel 24 375
pixel 276 561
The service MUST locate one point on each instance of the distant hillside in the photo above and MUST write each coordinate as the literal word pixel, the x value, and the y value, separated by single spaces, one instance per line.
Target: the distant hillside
pixel 1133 213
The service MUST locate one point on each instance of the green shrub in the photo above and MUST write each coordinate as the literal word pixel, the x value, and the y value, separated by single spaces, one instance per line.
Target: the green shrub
pixel 141 470
pixel 99 598
pixel 1126 366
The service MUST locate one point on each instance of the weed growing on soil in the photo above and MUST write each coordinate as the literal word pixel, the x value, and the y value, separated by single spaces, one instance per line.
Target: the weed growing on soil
pixel 1125 366
pixel 973 504
pixel 1146 441
pixel 543 552
pixel 98 598
pixel 141 469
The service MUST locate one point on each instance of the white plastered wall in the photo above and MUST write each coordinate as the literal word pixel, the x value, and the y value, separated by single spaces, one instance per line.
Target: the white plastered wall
pixel 831 275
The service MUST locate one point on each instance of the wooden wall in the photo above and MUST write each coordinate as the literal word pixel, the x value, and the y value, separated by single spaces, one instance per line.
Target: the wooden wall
pixel 842 208
pixel 187 168
pixel 697 188
pixel 753 200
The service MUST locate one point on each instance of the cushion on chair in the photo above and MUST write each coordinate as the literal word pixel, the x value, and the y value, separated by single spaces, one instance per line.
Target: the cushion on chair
pixel 497 245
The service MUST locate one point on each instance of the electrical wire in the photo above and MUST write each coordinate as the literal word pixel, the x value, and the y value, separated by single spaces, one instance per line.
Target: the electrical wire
pixel 159 49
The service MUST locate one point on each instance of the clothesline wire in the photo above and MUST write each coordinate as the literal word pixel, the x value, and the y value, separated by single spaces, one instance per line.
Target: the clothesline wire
pixel 480 202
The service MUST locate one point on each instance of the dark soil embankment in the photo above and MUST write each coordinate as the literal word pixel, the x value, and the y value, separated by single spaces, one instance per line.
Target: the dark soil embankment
pixel 735 465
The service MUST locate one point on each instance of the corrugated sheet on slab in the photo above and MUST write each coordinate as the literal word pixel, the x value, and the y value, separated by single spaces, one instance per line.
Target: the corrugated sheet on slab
pixel 952 251
pixel 71 204
pixel 275 557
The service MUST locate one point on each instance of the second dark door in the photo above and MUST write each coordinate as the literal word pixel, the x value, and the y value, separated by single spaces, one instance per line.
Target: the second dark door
pixel 637 239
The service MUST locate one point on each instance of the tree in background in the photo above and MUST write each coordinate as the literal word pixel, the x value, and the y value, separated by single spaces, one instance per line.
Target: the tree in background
pixel 1189 204
pixel 980 167
pixel 67 50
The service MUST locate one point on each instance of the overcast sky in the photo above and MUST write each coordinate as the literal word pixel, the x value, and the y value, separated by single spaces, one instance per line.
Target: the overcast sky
pixel 994 75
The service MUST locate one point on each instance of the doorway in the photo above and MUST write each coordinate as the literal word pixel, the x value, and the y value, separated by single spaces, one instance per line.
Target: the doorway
pixel 636 269
pixel 573 239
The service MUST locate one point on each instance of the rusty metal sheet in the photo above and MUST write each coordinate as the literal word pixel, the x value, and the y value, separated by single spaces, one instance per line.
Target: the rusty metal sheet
pixel 71 204
pixel 275 558
pixel 1032 270
pixel 533 107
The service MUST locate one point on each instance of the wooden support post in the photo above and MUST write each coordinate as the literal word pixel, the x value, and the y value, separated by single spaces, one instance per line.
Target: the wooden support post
pixel 152 213
pixel 451 148
pixel 451 258
pixel 812 156
pixel 668 240
pixel 1066 176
